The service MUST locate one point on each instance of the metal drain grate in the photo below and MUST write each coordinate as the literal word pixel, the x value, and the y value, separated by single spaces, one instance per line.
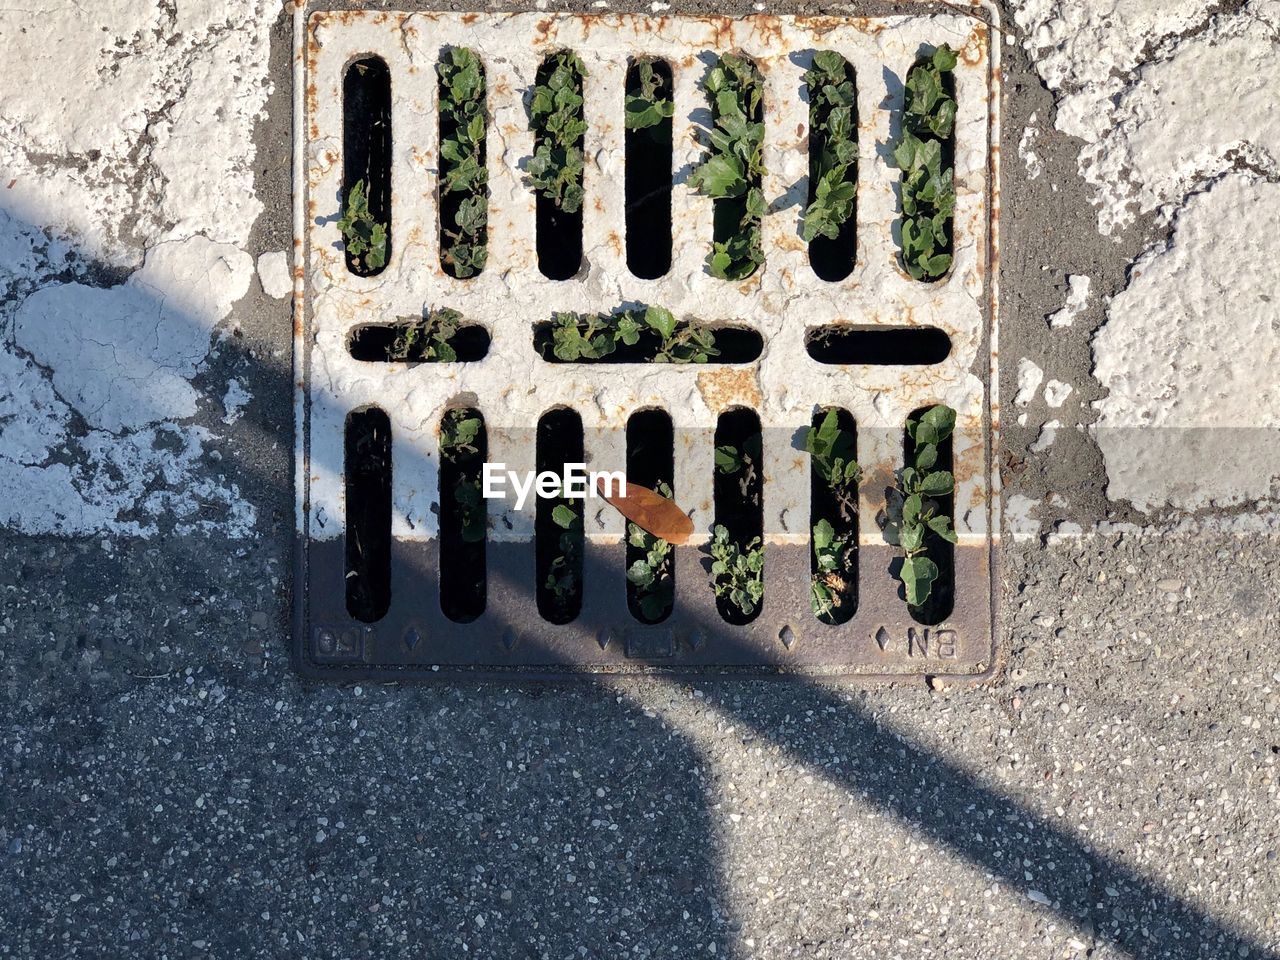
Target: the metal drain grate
pixel 513 387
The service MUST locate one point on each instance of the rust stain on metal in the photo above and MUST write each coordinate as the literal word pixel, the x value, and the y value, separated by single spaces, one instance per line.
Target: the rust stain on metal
pixel 722 389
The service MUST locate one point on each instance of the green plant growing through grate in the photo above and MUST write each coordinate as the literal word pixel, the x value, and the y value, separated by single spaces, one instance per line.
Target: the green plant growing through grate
pixel 428 340
pixel 830 579
pixel 651 575
pixel 459 431
pixel 555 170
pixel 833 157
pixel 366 238
pixel 464 178
pixel 733 169
pixel 919 485
pixel 586 338
pixel 928 179
pixel 831 457
pixel 738 570
pixel 645 106
pixel 562 579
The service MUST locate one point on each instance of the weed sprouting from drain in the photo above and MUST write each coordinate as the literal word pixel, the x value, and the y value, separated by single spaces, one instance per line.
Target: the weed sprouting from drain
pixel 555 170
pixel 459 436
pixel 654 331
pixel 652 574
pixel 922 517
pixel 833 153
pixel 428 340
pixel 365 236
pixel 928 178
pixel 738 571
pixel 645 105
pixel 464 184
pixel 733 169
pixel 831 456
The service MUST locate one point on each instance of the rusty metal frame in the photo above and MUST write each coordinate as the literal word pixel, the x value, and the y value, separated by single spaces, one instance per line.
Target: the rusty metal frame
pixel 415 640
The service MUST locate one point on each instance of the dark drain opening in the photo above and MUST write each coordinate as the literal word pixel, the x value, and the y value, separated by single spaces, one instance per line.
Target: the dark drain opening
pixel 463 515
pixel 648 169
pixel 558 532
pixel 417 342
pixel 942 597
pixel 736 252
pixel 558 217
pixel 833 122
pixel 463 193
pixel 733 344
pixel 650 561
pixel 736 548
pixel 878 346
pixel 833 519
pixel 366 149
pixel 367 479
pixel 927 182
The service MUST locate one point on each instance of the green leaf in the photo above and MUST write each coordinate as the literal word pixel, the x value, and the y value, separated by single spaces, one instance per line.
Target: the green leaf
pixel 911 508
pixel 937 484
pixel 918 575
pixel 823 534
pixel 941 525
pixel 944 58
pixel 661 320
pixel 563 516
pixel 719 176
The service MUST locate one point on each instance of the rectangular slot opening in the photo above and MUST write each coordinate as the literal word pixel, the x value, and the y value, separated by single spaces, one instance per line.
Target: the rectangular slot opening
pixel 648 167
pixel 555 170
pixel 733 169
pixel 367 481
pixel 834 476
pixel 737 547
pixel 464 179
pixel 941 552
pixel 463 514
pixel 926 155
pixel 830 219
pixel 878 346
pixel 642 335
pixel 651 583
pixel 366 166
pixel 440 337
pixel 558 529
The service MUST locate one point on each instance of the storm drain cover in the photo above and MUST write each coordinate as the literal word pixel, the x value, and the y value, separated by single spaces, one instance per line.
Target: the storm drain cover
pixel 403 570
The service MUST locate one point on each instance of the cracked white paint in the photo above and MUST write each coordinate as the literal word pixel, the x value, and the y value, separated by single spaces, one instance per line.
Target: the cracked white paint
pixel 1056 393
pixel 1026 149
pixel 1192 414
pixel 1020 512
pixel 1048 433
pixel 234 400
pixel 133 151
pixel 273 274
pixel 1077 300
pixel 1175 107
pixel 1030 377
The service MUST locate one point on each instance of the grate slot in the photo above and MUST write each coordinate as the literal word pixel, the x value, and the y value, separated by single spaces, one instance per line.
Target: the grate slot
pixel 835 597
pixel 559 523
pixel 367 472
pixel 648 170
pixel 832 257
pixel 739 507
pixel 559 217
pixel 463 515
pixel 878 346
pixel 942 598
pixel 651 464
pixel 366 132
